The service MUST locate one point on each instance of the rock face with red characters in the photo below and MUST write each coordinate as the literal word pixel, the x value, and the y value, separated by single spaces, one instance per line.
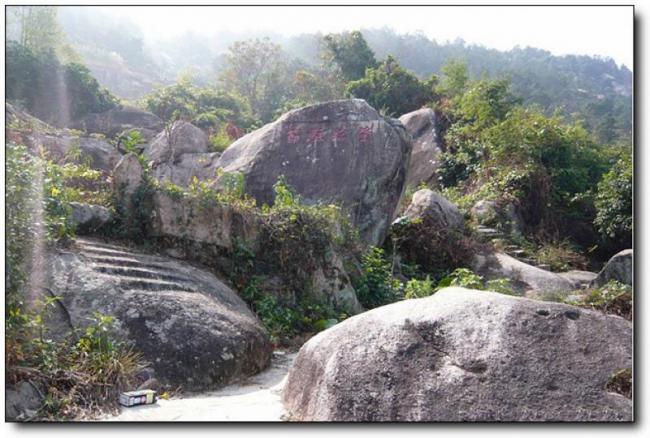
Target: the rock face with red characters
pixel 340 152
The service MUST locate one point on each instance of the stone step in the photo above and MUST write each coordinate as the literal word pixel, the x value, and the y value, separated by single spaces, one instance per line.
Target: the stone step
pixel 98 244
pixel 125 262
pixel 132 283
pixel 140 272
pixel 105 251
pixel 517 252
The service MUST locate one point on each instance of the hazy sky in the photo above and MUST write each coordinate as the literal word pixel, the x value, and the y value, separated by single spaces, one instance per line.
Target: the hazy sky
pixel 604 31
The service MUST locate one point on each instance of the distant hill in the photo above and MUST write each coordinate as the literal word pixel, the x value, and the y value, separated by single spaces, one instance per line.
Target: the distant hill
pixel 590 88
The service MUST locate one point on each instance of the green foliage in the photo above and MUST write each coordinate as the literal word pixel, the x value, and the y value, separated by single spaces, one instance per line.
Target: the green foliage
pixel 560 256
pixel 415 288
pixel 455 78
pixel 285 322
pixel 462 277
pixel 614 201
pixel 350 53
pixel 377 286
pixel 220 140
pixel 391 87
pixel 500 285
pixel 51 91
pixel 259 71
pixel 84 372
pixel 613 298
pixel 205 107
pixel 285 195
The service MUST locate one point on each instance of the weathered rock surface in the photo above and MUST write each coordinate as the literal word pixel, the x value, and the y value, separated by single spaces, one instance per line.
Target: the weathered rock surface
pixel 193 329
pixel 119 119
pixel 579 278
pixel 89 217
pixel 527 279
pixel 203 166
pixel 211 234
pixel 491 214
pixel 463 355
pixel 335 152
pixel 128 175
pixel 96 152
pixel 435 209
pixel 423 127
pixel 620 268
pixel 22 401
pixel 181 138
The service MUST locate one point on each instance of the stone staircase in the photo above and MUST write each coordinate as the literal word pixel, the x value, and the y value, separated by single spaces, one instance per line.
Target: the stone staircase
pixel 134 271
pixel 497 238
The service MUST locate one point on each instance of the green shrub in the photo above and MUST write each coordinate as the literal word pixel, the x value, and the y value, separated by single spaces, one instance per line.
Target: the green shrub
pixel 562 256
pixel 377 286
pixel 415 288
pixel 501 285
pixel 220 140
pixel 613 298
pixel 614 202
pixel 462 277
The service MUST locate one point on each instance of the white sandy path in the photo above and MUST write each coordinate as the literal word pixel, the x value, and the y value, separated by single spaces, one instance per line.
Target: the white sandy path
pixel 255 399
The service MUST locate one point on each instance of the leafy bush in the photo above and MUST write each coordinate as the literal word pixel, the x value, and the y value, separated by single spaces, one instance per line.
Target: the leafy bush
pixel 562 256
pixel 49 90
pixel 614 202
pixel 392 88
pixel 220 140
pixel 377 286
pixel 613 298
pixel 415 288
pixel 462 277
pixel 82 373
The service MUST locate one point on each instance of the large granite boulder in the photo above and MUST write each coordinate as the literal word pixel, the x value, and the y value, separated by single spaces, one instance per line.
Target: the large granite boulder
pixel 120 119
pixel 23 400
pixel 128 176
pixel 193 329
pixel 202 166
pixel 429 206
pixel 620 268
pixel 526 279
pixel 181 138
pixel 423 127
pixel 65 146
pixel 464 355
pixel 335 152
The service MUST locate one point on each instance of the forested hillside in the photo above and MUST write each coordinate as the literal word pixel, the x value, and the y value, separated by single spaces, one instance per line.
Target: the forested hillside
pixel 592 89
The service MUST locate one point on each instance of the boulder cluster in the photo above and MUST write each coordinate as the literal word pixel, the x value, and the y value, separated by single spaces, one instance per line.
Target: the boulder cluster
pixel 458 355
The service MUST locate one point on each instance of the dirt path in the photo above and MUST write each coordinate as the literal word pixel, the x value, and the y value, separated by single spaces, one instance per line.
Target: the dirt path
pixel 256 399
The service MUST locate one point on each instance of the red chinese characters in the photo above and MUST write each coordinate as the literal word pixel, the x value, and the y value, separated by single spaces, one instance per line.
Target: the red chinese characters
pixel 339 135
pixel 293 136
pixel 364 133
pixel 316 134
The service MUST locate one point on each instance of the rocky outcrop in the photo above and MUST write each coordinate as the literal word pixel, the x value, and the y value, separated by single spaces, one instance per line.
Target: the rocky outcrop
pixel 192 328
pixel 213 234
pixel 423 127
pixel 334 152
pixel 463 355
pixel 437 211
pixel 23 401
pixel 89 217
pixel 202 166
pixel 504 217
pixel 128 175
pixel 96 152
pixel 620 268
pixel 580 279
pixel 526 279
pixel 181 138
pixel 119 119
pixel 59 144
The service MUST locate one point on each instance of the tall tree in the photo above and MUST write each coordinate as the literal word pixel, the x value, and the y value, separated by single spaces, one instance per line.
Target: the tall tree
pixel 350 53
pixel 259 71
